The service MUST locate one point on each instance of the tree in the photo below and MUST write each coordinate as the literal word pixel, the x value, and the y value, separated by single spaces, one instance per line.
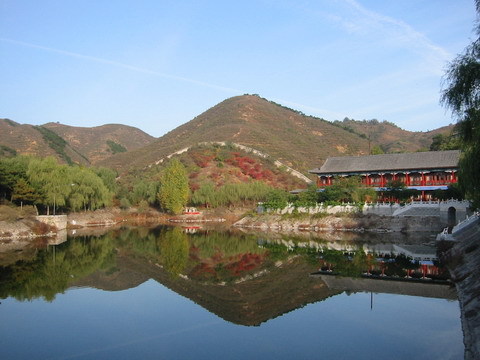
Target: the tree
pixel 461 94
pixel 398 190
pixel 377 150
pixel 49 177
pixel 308 198
pixel 174 191
pixel 444 142
pixel 24 193
pixel 11 171
pixel 348 189
pixel 145 190
pixel 205 195
pixel 86 189
pixel 276 199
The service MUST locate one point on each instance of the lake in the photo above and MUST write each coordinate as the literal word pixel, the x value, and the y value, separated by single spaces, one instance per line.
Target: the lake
pixel 181 293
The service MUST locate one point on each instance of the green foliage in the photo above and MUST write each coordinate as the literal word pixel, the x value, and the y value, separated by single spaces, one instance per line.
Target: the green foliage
pixel 453 192
pixel 353 266
pixel 51 273
pixel 276 199
pixel 116 148
pixel 45 182
pixel 442 142
pixel 145 190
pixel 348 189
pixel 143 206
pixel 377 150
pixel 11 171
pixel 469 173
pixel 174 249
pixel 462 95
pixel 398 190
pixel 6 151
pixel 87 190
pixel 229 194
pixel 174 190
pixel 125 204
pixel 24 193
pixel 56 142
pixel 108 177
pixel 308 198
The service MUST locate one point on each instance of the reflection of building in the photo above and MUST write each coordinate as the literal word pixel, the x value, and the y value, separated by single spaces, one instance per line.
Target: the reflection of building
pixel 415 252
pixel 439 291
pixel 424 171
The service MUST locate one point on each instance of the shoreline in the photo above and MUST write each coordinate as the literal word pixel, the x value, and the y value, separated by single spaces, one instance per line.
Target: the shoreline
pixel 355 223
pixel 24 229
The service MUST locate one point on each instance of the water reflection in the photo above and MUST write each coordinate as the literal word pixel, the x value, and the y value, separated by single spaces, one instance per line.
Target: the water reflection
pixel 241 277
pixel 262 282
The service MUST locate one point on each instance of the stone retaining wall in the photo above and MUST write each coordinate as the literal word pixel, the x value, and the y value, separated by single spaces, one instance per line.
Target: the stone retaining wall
pixel 464 264
pixel 59 221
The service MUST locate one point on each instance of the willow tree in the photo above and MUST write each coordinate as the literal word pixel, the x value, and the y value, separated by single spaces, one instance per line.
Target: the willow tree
pixel 461 94
pixel 52 180
pixel 174 191
pixel 87 190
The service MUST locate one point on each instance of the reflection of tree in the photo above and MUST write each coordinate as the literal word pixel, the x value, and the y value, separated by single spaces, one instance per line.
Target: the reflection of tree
pixel 224 256
pixel 54 269
pixel 347 265
pixel 174 250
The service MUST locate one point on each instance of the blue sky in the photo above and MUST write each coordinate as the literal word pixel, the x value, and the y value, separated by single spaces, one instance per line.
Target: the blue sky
pixel 157 64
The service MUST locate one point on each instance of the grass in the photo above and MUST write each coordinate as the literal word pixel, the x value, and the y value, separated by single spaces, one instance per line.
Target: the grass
pixel 13 213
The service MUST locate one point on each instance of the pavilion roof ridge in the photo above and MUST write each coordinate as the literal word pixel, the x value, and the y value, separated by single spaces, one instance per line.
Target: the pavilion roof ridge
pixel 390 162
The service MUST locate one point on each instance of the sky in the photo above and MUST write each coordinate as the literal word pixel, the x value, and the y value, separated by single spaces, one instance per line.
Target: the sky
pixel 156 64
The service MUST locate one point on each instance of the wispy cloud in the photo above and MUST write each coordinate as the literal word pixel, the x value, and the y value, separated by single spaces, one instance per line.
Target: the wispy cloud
pixel 402 32
pixel 122 65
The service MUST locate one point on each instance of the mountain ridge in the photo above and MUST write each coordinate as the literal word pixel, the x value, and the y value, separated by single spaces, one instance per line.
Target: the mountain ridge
pixel 293 138
pixel 70 144
pixel 297 140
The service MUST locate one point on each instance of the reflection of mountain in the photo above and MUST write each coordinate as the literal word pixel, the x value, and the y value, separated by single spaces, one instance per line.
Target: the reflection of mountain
pixel 121 278
pixel 274 292
pixel 238 277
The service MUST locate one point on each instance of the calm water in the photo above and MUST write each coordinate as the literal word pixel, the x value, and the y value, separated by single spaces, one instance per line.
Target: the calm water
pixel 166 294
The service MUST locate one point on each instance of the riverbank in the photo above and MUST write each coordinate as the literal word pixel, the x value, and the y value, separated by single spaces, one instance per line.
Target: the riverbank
pixel 341 222
pixel 22 226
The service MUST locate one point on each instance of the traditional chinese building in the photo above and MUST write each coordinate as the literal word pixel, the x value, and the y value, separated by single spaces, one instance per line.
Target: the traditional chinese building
pixel 423 171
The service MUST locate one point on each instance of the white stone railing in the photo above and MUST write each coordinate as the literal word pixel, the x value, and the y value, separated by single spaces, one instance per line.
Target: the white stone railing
pixel 466 222
pixel 319 208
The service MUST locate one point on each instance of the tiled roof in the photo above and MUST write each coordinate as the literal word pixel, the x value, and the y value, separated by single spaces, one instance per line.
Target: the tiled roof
pixel 390 162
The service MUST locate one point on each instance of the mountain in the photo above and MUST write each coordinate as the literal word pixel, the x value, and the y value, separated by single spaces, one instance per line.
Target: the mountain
pixel 298 141
pixel 289 136
pixel 389 137
pixel 67 143
pixel 100 142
